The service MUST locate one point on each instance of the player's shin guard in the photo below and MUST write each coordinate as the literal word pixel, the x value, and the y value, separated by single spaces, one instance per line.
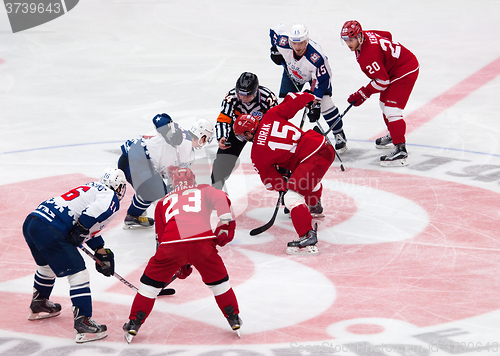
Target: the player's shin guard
pixel 301 219
pixel 44 281
pixel 228 304
pixel 145 299
pixel 79 291
pixel 224 295
pixel 141 304
pixel 299 212
pixel 331 117
pixel 397 129
pixel 313 198
pixel 138 206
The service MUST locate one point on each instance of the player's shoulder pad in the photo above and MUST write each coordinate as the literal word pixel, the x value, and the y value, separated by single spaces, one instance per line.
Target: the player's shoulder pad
pixel 313 55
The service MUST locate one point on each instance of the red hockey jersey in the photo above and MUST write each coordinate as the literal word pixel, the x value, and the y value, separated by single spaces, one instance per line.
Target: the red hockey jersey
pixel 185 212
pixel 277 142
pixel 383 60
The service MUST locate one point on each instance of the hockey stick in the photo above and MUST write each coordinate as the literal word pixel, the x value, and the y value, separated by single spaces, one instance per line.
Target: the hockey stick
pixel 123 280
pixel 302 121
pixel 270 223
pixel 330 142
pixel 338 120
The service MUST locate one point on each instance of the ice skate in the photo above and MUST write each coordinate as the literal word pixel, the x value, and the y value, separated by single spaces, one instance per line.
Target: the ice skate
pixel 384 141
pixel 132 326
pixel 87 329
pixel 138 222
pixel 317 210
pixel 340 142
pixel 397 158
pixel 43 308
pixel 306 245
pixel 233 319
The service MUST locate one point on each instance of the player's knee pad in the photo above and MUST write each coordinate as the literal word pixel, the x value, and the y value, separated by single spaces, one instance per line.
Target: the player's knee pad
pixel 79 279
pixel 149 291
pixel 221 288
pixel 293 199
pixel 46 272
pixel 327 106
pixel 391 113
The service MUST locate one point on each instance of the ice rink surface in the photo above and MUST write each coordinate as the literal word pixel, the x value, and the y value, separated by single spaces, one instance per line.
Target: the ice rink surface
pixel 409 257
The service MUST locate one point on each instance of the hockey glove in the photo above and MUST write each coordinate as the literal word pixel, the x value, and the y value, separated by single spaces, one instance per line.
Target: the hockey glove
pixel 184 272
pixel 359 97
pixel 108 261
pixel 314 111
pixel 172 134
pixel 78 234
pixel 225 232
pixel 276 56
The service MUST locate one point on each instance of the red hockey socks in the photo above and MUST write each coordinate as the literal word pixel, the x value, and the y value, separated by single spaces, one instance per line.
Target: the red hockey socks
pixel 141 303
pixel 397 129
pixel 301 219
pixel 227 299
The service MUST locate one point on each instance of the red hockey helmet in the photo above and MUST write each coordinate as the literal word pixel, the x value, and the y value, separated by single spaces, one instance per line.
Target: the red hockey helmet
pixel 350 29
pixel 181 176
pixel 245 123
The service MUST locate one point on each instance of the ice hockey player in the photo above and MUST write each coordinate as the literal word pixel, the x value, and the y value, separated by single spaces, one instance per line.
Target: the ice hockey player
pixel 53 232
pixel 308 155
pixel 186 239
pixel 247 97
pixel 393 71
pixel 304 62
pixel 145 161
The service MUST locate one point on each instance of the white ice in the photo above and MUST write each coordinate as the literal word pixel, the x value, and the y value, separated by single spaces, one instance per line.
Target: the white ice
pixel 408 256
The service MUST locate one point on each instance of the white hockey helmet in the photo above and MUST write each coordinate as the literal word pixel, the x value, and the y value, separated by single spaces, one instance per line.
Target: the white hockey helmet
pixel 114 179
pixel 200 128
pixel 298 33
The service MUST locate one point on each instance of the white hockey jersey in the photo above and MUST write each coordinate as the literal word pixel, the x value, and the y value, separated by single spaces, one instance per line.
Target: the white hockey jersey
pixel 93 204
pixel 161 154
pixel 312 67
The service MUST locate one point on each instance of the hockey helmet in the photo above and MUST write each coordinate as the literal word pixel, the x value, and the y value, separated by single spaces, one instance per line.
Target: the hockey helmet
pixel 115 180
pixel 245 123
pixel 200 128
pixel 350 29
pixel 298 33
pixel 247 84
pixel 181 177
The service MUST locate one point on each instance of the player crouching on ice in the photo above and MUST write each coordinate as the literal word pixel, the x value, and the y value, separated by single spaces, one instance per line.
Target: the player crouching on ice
pixel 145 161
pixel 308 155
pixel 185 238
pixel 54 231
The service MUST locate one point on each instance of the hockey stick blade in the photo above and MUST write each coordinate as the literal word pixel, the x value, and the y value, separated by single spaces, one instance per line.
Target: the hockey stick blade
pixel 166 291
pixel 270 223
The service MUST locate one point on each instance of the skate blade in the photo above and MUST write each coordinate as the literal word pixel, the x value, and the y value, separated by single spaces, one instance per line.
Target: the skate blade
pixel 238 333
pixel 136 227
pixel 395 163
pixel 86 337
pixel 128 337
pixel 304 251
pixel 342 150
pixel 38 316
pixel 384 147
